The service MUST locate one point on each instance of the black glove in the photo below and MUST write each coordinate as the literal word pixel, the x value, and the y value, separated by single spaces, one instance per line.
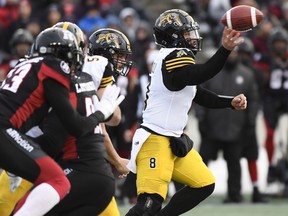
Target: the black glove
pixel 180 146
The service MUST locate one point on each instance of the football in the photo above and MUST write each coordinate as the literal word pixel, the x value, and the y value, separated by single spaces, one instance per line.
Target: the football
pixel 242 18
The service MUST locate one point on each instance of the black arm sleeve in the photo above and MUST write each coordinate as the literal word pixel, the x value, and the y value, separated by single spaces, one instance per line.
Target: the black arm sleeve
pixel 195 74
pixel 58 97
pixel 209 99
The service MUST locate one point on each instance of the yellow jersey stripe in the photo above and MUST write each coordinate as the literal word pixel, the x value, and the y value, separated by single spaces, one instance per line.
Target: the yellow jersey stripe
pixel 176 66
pixel 106 81
pixel 181 58
pixel 180 62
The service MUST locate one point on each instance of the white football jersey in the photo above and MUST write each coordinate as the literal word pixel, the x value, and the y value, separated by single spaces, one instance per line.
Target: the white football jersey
pixel 166 111
pixel 97 67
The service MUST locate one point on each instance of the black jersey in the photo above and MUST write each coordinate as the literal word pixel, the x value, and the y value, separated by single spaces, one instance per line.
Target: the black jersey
pixel 32 88
pixel 22 97
pixel 277 85
pixel 86 152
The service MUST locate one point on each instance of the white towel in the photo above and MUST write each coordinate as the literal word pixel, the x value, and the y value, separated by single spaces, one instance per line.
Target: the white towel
pixel 139 138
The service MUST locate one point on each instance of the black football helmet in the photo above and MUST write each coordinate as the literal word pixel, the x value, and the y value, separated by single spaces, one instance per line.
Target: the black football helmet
pixel 21 36
pixel 170 27
pixel 59 43
pixel 72 27
pixel 113 45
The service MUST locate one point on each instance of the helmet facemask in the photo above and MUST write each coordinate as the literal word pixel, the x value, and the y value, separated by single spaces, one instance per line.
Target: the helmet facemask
pixel 121 62
pixel 190 38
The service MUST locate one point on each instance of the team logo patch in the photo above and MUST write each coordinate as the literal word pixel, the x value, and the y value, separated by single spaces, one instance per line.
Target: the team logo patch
pixel 65 67
pixel 171 18
pixel 181 53
pixel 110 39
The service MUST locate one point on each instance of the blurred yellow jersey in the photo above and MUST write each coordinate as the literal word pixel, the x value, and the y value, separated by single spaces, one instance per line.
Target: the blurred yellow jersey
pixel 9 199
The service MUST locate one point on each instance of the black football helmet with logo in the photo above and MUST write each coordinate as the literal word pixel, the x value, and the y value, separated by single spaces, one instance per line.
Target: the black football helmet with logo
pixel 170 27
pixel 113 45
pixel 59 43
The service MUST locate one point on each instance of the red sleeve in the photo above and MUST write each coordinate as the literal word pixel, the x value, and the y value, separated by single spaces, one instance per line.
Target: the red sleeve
pixel 48 72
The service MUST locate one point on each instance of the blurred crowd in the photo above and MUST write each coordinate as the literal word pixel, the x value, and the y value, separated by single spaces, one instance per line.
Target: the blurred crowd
pixel 22 20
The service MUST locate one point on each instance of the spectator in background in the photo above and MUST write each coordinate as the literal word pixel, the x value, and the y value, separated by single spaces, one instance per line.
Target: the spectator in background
pixel 260 41
pixel 68 11
pixel 20 44
pixel 92 20
pixel 221 129
pixel 249 140
pixel 34 27
pixel 246 53
pixel 8 13
pixel 284 21
pixel 142 44
pixel 113 22
pixel 129 19
pixel 25 13
pixel 275 94
pixel 216 9
pixel 54 15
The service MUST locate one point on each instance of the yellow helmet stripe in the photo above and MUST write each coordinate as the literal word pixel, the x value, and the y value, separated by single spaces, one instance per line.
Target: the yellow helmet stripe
pixel 65 25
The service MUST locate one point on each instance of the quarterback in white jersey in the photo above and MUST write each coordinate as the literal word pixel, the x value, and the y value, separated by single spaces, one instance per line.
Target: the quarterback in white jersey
pixel 161 152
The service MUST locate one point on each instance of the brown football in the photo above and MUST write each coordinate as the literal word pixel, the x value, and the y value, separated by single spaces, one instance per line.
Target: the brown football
pixel 242 18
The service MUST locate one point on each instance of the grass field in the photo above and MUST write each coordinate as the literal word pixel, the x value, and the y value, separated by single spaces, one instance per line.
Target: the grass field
pixel 213 207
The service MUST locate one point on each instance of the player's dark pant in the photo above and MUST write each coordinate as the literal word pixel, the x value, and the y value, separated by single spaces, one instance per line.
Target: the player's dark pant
pixel 90 194
pixel 22 157
pixel 232 154
pixel 274 106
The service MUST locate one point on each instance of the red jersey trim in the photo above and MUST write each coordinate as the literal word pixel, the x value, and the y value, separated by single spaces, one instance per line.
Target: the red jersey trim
pixel 36 98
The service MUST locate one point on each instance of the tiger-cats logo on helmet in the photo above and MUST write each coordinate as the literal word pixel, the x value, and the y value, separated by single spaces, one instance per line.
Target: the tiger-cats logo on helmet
pixel 109 39
pixel 170 18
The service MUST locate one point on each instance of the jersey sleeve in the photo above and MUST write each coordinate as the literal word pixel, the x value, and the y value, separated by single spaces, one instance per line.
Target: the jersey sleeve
pixel 177 59
pixel 98 68
pixel 209 99
pixel 107 78
pixel 179 68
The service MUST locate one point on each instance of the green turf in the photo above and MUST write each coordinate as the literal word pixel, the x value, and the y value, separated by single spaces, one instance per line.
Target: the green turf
pixel 213 207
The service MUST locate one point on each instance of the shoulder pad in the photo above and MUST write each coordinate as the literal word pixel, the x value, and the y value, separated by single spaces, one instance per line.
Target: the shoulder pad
pixel 58 65
pixel 178 58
